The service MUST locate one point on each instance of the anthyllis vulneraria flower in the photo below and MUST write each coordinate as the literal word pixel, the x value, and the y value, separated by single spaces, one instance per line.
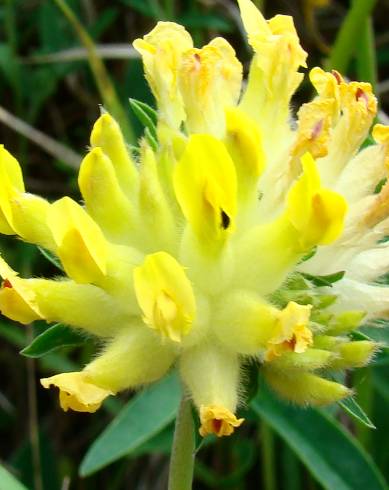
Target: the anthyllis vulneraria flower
pixel 235 234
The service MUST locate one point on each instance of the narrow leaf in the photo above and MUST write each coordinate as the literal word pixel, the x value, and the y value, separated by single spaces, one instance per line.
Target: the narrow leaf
pixel 147 414
pixel 350 32
pixel 145 108
pixel 51 257
pixel 146 115
pixel 321 281
pixel 352 407
pixel 333 457
pixel 53 338
pixel 8 481
pixel 103 81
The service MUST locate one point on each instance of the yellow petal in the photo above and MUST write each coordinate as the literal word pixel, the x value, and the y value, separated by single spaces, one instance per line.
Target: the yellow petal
pixel 29 219
pixel 107 135
pixel 327 84
pixel 244 143
pixel 210 81
pixel 103 196
pixel 77 392
pixel 21 213
pixel 217 420
pixel 291 332
pixel 165 295
pixel 205 186
pixel 161 52
pixel 381 135
pixel 273 74
pixel 314 128
pixel 11 184
pixel 316 213
pixel 353 109
pixel 81 245
pixel 17 300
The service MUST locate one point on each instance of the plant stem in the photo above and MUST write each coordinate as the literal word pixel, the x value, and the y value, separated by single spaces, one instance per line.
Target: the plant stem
pixel 183 455
pixel 268 464
pixel 33 419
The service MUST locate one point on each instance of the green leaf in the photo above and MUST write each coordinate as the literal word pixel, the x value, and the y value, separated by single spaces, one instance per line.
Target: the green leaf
pixel 147 414
pixel 53 338
pixel 149 112
pixel 309 255
pixel 377 332
pixel 151 140
pixel 352 407
pixel 8 481
pixel 321 281
pixel 381 381
pixel 147 116
pixel 51 258
pixel 333 457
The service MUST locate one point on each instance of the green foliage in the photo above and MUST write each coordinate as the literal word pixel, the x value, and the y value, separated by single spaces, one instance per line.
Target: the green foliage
pixel 127 443
pixel 55 337
pixel 322 444
pixel 8 481
pixel 321 281
pixel 352 407
pixel 146 415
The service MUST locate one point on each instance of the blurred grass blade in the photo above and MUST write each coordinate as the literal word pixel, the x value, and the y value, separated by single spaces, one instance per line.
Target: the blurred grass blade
pixel 346 41
pixel 333 457
pixel 103 81
pixel 366 54
pixel 148 413
pixel 53 338
pixel 8 481
pixel 352 407
pixel 51 146
pixel 106 51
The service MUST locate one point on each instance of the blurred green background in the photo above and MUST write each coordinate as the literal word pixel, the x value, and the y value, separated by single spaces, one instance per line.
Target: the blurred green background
pixel 52 82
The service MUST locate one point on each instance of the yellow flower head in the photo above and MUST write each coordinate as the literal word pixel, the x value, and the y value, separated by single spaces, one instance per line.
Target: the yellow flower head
pixel 165 295
pixel 218 421
pixel 235 237
pixel 291 332
pixel 76 392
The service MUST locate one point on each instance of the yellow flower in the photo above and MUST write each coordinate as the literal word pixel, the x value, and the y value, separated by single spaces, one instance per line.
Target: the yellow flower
pixel 291 332
pixel 165 295
pixel 241 238
pixel 76 392
pixel 218 420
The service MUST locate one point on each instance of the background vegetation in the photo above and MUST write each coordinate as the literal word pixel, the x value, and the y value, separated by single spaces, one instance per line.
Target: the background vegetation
pixel 51 84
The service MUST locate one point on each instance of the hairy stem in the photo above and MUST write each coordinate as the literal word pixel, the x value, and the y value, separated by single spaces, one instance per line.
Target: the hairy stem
pixel 182 458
